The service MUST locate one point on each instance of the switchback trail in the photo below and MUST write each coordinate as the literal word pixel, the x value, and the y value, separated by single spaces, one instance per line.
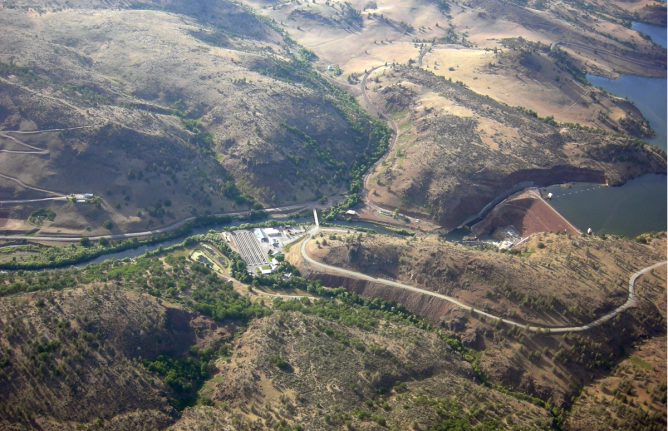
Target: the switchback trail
pixel 552 330
pixel 36 150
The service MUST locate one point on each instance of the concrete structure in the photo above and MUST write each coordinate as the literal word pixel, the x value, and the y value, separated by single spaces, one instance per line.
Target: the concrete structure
pixel 272 232
pixel 260 235
pixel 258 250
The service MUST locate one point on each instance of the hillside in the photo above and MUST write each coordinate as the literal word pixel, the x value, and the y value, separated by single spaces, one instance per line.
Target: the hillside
pixel 466 41
pixel 74 356
pixel 335 375
pixel 525 287
pixel 165 341
pixel 125 345
pixel 164 112
pixel 457 150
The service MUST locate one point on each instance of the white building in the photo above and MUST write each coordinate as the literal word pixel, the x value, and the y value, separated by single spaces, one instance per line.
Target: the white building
pixel 260 235
pixel 270 231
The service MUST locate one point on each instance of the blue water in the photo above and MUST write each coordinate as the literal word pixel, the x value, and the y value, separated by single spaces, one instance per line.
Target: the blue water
pixel 648 94
pixel 638 206
pixel 657 33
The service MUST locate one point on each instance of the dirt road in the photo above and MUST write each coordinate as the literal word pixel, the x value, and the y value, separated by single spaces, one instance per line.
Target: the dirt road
pixel 553 330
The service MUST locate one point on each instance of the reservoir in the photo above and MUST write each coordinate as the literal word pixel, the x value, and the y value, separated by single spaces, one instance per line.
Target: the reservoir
pixel 636 207
pixel 639 205
pixel 657 33
pixel 648 94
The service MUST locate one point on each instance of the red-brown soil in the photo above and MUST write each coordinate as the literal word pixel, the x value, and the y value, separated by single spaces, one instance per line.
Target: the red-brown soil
pixel 528 213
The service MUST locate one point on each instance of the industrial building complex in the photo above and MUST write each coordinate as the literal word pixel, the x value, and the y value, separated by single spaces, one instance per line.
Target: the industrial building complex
pixel 257 245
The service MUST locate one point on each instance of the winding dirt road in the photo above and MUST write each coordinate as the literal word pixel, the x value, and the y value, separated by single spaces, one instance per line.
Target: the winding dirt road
pixel 552 330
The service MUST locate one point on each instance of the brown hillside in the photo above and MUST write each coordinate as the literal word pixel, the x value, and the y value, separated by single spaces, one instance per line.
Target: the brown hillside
pixel 568 282
pixel 458 150
pixel 201 104
pixel 74 357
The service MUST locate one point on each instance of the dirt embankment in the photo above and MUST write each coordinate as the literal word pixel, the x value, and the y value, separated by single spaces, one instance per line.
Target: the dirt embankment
pixel 528 213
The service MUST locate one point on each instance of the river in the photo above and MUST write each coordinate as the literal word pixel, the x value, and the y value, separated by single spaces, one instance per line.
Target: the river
pixel 134 252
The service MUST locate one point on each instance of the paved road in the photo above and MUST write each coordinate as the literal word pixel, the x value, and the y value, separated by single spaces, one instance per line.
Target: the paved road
pixel 553 330
pixel 162 229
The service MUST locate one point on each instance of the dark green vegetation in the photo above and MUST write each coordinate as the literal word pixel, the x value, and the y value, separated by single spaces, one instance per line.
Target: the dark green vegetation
pixel 165 323
pixel 37 256
pixel 37 217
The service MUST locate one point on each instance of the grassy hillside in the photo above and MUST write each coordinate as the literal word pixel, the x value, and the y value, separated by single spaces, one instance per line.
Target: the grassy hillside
pixel 168 111
pixel 165 341
pixel 458 150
